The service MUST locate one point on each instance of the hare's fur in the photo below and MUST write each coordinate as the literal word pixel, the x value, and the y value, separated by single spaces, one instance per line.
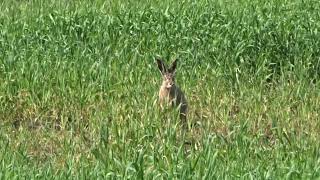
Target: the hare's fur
pixel 169 93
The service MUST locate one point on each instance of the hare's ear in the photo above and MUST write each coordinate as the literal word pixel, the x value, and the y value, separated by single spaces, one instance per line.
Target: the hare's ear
pixel 161 66
pixel 173 66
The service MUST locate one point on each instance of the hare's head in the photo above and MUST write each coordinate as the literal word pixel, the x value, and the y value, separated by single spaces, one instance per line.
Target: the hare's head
pixel 167 74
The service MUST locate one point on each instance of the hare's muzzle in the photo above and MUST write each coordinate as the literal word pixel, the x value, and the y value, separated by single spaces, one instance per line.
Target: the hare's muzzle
pixel 169 85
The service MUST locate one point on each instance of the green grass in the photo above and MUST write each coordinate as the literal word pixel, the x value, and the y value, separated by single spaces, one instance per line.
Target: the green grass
pixel 79 86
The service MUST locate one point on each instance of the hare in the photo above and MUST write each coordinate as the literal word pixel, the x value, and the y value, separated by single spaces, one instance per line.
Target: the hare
pixel 169 93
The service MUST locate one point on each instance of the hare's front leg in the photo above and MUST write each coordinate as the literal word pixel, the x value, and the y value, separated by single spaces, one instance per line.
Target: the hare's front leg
pixel 161 106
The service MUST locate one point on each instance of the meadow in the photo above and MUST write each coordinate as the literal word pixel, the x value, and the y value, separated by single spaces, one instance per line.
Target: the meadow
pixel 79 88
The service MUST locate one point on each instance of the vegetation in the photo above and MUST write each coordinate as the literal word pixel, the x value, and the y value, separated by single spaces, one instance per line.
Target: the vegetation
pixel 79 87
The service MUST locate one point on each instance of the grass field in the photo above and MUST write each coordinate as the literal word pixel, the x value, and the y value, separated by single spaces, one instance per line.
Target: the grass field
pixel 79 87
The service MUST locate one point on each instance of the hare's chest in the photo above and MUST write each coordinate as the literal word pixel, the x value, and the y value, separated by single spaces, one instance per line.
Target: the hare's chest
pixel 167 96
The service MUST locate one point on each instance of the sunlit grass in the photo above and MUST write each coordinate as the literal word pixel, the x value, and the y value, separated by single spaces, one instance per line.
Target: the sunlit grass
pixel 79 87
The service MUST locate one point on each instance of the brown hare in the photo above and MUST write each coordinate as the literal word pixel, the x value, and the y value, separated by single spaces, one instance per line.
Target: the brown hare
pixel 169 93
